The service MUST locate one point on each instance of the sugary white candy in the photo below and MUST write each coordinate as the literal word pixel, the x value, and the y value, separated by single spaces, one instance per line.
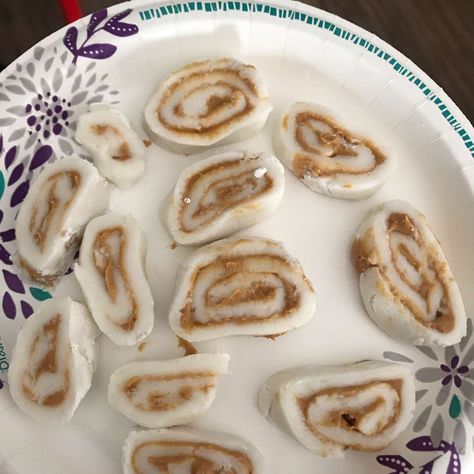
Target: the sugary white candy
pixel 112 276
pixel 205 103
pixel 244 285
pixel 53 361
pixel 117 150
pixel 65 196
pixel 311 141
pixel 189 451
pixel 222 194
pixel 405 280
pixel 361 406
pixel 162 393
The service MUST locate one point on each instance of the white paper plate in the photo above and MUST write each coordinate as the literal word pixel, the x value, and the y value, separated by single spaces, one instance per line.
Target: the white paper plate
pixel 303 54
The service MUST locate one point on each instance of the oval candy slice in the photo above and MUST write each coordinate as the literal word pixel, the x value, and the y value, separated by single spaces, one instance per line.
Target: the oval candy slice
pixel 189 451
pixel 205 103
pixel 326 157
pixel 53 361
pixel 237 286
pixel 163 393
pixel 64 197
pixel 405 280
pixel 112 276
pixel 117 150
pixel 220 195
pixel 361 406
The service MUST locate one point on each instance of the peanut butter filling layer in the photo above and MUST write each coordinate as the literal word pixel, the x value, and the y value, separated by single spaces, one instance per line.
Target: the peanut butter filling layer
pixel 123 151
pixel 48 364
pixel 160 399
pixel 348 418
pixel 193 456
pixel 189 349
pixel 56 207
pixel 256 291
pixel 215 103
pixel 109 261
pixel 365 255
pixel 338 139
pixel 223 193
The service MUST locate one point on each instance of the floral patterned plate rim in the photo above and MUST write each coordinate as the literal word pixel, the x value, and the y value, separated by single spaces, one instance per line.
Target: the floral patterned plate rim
pixel 42 93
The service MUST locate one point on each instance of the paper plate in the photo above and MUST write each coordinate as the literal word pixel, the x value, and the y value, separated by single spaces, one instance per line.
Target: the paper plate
pixel 302 54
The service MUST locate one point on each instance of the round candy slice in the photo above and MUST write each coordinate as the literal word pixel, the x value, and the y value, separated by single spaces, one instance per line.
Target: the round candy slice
pixel 361 406
pixel 53 361
pixel 237 286
pixel 205 103
pixel 405 280
pixel 220 195
pixel 328 158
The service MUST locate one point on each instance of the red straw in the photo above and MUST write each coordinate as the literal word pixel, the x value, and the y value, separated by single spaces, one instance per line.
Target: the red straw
pixel 71 10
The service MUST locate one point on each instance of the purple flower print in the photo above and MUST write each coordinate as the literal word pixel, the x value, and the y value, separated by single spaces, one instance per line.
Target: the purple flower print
pixel 398 463
pixel 41 99
pixel 113 26
pixel 19 178
pixel 47 115
pixel 448 376
pixel 454 372
pixel 11 281
pixel 48 95
pixel 425 444
pixel 19 172
pixel 401 465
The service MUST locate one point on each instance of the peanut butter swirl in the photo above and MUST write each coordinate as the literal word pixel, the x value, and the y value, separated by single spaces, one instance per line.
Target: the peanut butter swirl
pixel 109 254
pixel 44 364
pixel 327 149
pixel 414 273
pixel 218 188
pixel 48 212
pixel 225 95
pixel 156 393
pixel 122 152
pixel 164 457
pixel 328 411
pixel 240 290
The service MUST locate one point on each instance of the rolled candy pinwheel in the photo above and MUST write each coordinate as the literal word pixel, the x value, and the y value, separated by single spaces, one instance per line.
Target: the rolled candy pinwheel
pixel 362 406
pixel 237 286
pixel 189 451
pixel 53 361
pixel 65 196
pixel 162 393
pixel 330 160
pixel 222 194
pixel 112 276
pixel 405 280
pixel 117 150
pixel 205 103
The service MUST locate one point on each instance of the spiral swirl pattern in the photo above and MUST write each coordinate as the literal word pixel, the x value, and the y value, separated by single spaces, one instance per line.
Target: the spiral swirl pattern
pixel 189 452
pixel 52 365
pixel 112 277
pixel 241 286
pixel 117 150
pixel 356 412
pixel 52 218
pixel 157 394
pixel 328 158
pixel 396 247
pixel 205 102
pixel 362 406
pixel 223 194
